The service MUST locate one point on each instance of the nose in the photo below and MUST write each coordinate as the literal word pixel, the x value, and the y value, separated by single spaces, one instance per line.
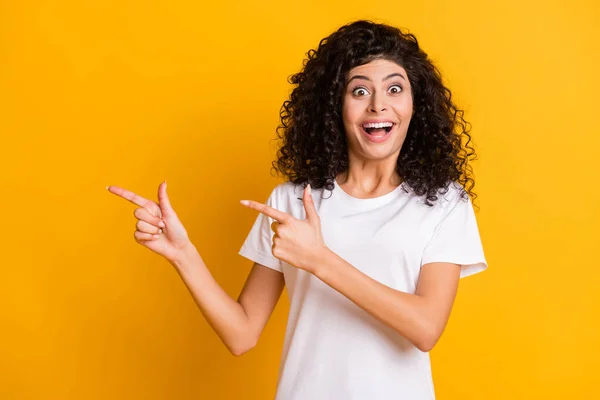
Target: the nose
pixel 377 103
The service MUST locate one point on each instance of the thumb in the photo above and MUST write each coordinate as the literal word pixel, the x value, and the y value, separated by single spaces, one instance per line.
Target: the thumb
pixel 311 213
pixel 163 200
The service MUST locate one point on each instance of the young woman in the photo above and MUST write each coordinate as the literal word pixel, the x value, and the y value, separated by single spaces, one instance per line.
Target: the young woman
pixel 370 233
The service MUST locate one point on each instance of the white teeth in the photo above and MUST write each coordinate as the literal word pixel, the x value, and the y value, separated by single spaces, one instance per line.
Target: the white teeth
pixel 378 125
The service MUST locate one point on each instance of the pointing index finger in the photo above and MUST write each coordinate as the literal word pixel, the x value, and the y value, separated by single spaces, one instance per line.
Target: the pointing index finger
pixel 277 215
pixel 132 197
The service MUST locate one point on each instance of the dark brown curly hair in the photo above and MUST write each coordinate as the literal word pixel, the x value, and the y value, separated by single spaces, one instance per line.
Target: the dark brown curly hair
pixel 313 142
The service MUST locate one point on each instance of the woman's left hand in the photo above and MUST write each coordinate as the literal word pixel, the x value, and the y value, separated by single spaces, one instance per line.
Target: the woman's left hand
pixel 296 242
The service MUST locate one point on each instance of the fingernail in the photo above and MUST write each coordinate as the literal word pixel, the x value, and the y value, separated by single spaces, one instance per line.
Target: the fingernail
pixel 309 188
pixel 161 224
pixel 244 202
pixel 107 188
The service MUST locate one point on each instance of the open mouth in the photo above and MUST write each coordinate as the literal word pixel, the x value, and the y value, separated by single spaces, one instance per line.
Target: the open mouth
pixel 378 129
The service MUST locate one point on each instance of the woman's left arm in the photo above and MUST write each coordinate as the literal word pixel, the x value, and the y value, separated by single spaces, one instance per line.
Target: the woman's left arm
pixel 420 317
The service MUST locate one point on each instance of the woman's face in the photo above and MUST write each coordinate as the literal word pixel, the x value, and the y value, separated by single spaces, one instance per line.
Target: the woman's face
pixel 377 107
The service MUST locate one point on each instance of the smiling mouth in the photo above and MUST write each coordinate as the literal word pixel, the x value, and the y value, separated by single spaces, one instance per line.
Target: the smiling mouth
pixel 378 130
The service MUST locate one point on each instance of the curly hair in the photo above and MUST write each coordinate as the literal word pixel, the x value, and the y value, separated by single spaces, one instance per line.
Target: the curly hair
pixel 313 143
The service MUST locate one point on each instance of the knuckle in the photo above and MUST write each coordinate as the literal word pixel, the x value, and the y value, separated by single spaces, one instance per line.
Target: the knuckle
pixel 155 210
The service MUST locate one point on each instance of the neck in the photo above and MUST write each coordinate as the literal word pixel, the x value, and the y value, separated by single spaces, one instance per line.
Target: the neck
pixel 365 181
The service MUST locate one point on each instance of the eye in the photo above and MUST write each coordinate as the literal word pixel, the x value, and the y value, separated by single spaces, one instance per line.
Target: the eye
pixel 395 88
pixel 360 91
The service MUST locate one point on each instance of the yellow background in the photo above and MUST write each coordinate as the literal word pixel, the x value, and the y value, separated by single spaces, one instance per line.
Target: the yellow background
pixel 130 93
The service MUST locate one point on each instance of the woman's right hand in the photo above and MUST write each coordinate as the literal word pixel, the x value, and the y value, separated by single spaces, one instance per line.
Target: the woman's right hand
pixel 158 227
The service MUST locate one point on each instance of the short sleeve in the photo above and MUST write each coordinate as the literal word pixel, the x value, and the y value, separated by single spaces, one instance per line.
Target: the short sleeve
pixel 456 240
pixel 258 244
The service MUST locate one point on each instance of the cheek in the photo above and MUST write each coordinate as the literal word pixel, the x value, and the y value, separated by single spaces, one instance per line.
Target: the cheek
pixel 404 109
pixel 350 112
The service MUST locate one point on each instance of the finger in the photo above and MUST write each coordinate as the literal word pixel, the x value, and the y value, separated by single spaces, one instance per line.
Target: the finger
pixel 145 215
pixel 145 227
pixel 163 199
pixel 276 248
pixel 144 237
pixel 268 211
pixel 132 197
pixel 309 205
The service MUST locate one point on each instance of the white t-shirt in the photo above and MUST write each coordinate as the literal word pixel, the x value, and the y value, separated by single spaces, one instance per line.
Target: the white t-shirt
pixel 333 349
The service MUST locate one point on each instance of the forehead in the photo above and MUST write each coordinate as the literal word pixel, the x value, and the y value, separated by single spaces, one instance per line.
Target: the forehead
pixel 376 68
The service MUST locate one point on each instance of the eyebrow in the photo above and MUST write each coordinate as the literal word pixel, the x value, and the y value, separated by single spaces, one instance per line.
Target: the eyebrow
pixel 386 78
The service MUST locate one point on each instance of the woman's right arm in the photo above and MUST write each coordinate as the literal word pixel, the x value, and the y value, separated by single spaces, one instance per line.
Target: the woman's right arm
pixel 239 323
